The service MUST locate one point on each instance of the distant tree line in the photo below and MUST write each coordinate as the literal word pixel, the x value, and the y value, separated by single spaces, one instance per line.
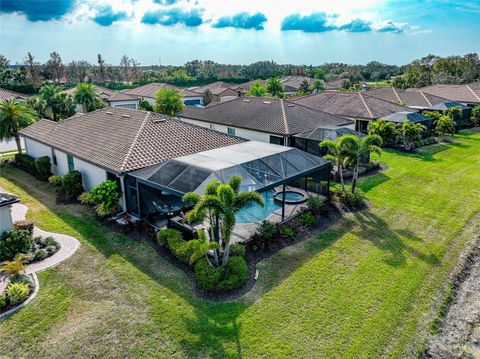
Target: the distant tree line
pixel 30 75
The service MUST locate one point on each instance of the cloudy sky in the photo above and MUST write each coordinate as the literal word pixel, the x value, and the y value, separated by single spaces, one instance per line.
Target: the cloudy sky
pixel 239 31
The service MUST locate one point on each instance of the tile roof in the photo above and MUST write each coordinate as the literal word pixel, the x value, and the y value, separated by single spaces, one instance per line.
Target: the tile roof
pixel 350 104
pixel 469 93
pixel 264 115
pixel 292 83
pixel 217 87
pixel 418 99
pixel 149 90
pixel 11 95
pixel 122 140
pixel 107 94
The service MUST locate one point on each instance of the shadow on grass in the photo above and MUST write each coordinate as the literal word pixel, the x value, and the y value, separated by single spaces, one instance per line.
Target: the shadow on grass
pixel 370 182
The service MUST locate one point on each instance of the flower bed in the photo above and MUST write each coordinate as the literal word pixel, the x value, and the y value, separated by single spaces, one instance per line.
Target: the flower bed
pixel 18 289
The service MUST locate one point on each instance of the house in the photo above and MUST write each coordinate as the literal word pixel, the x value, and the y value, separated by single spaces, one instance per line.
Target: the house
pixel 110 142
pixel 147 92
pixel 356 106
pixel 291 84
pixel 399 118
pixel 334 85
pixel 221 91
pixel 111 97
pixel 8 95
pixel 261 119
pixel 468 94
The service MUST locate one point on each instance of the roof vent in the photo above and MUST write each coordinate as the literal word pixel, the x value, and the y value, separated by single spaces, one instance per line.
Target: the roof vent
pixel 158 120
pixel 267 102
pixel 125 115
pixel 109 113
pixel 246 100
pixel 290 105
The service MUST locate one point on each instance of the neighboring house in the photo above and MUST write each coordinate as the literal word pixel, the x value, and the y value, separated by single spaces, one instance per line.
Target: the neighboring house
pixel 291 84
pixel 221 91
pixel 356 106
pixel 147 92
pixel 108 143
pixel 261 119
pixel 467 94
pixel 334 85
pixel 7 95
pixel 111 97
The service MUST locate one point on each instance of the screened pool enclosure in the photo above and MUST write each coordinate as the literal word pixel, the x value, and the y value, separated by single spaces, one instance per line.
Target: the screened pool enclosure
pixel 156 191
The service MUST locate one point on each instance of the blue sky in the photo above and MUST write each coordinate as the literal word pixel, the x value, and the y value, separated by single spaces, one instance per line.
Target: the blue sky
pixel 241 32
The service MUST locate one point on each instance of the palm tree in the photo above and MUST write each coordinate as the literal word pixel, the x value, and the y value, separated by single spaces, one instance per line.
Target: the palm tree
pixel 475 115
pixel 257 90
pixel 444 126
pixel 225 204
pixel 318 85
pixel 454 112
pixel 86 95
pixel 14 117
pixel 354 149
pixel 49 93
pixel 168 101
pixel 336 156
pixel 275 87
pixel 386 130
pixel 411 133
pixel 201 246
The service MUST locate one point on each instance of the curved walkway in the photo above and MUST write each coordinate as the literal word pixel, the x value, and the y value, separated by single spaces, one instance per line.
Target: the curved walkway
pixel 68 246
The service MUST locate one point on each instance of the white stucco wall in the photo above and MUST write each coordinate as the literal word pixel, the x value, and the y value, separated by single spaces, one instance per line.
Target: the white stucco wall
pixel 36 149
pixel 5 219
pixel 92 175
pixel 240 132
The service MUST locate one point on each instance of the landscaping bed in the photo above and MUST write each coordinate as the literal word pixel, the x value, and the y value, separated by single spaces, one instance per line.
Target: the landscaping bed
pixel 15 290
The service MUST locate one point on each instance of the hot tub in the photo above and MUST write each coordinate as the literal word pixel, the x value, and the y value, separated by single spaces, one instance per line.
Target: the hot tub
pixel 291 197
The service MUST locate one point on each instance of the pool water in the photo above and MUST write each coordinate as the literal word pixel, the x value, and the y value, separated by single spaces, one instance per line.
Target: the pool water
pixel 255 213
pixel 291 196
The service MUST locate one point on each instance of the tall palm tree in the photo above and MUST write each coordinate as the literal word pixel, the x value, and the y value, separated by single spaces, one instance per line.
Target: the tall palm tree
pixel 275 87
pixel 411 132
pixel 257 90
pixel 50 93
pixel 354 149
pixel 85 94
pixel 226 202
pixel 14 117
pixel 168 101
pixel 336 156
pixel 201 246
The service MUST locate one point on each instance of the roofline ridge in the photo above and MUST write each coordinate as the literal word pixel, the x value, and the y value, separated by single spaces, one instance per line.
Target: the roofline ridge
pixel 473 92
pixel 365 104
pixel 396 94
pixel 284 115
pixel 426 98
pixel 134 142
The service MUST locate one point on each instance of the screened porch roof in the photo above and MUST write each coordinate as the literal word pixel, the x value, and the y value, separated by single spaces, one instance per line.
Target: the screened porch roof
pixel 262 166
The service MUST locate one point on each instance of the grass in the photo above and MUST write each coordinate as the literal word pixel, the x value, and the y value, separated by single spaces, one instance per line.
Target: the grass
pixel 368 287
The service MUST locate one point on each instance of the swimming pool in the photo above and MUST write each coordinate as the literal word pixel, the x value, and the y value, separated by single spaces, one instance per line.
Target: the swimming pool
pixel 254 213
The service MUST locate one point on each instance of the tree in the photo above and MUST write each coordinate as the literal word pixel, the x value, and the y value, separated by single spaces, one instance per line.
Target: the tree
pixel 85 95
pixel 201 246
pixel 55 67
pixel 475 115
pixel 318 85
pixel 354 149
pixel 102 72
pixel 319 74
pixel 224 201
pixel 125 66
pixel 304 88
pixel 444 126
pixel 207 97
pixel 336 156
pixel 257 90
pixel 60 104
pixel 4 63
pixel 135 70
pixel 386 130
pixel 145 105
pixel 411 133
pixel 33 73
pixel 13 118
pixel 454 112
pixel 168 101
pixel 38 105
pixel 275 87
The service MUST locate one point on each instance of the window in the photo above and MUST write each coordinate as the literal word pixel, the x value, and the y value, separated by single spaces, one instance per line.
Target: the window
pixel 71 164
pixel 231 131
pixel 276 140
pixel 54 157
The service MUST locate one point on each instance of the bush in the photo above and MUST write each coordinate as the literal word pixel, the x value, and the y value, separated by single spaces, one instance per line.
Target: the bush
pixel 23 278
pixel 43 167
pixel 173 239
pixel 55 180
pixel 24 225
pixel 307 219
pixel 14 242
pixel 315 204
pixel 15 267
pixel 40 255
pixel 3 303
pixel 233 276
pixel 266 230
pixel 349 199
pixel 105 196
pixel 17 293
pixel 72 184
pixel 237 250
pixel 287 232
pixel 26 163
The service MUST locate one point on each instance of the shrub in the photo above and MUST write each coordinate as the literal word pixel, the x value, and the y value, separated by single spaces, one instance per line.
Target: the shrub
pixel 237 250
pixel 43 167
pixel 307 219
pixel 50 241
pixel 86 198
pixel 349 199
pixel 287 232
pixel 55 180
pixel 24 225
pixel 105 196
pixel 14 242
pixel 23 278
pixel 315 204
pixel 233 276
pixel 72 184
pixel 26 163
pixel 17 293
pixel 266 230
pixel 40 255
pixel 3 303
pixel 15 267
pixel 173 239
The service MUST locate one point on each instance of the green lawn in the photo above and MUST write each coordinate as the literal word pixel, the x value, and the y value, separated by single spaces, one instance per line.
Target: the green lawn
pixel 365 288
